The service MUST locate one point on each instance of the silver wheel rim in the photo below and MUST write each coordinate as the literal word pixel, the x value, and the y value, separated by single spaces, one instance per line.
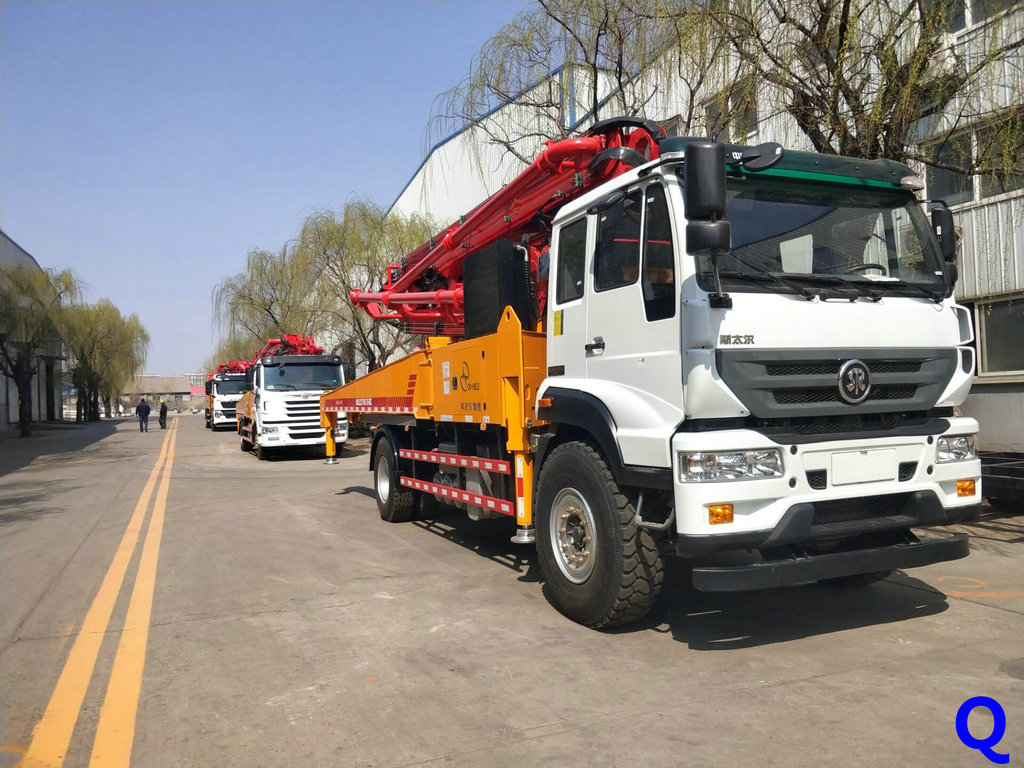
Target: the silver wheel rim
pixel 383 480
pixel 572 529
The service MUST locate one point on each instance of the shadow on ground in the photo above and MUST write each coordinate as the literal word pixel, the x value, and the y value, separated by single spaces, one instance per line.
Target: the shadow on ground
pixel 312 452
pixel 708 621
pixel 715 621
pixel 53 440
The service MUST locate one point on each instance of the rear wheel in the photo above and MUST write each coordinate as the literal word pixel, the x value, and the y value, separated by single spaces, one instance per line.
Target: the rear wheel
pixel 601 569
pixel 395 504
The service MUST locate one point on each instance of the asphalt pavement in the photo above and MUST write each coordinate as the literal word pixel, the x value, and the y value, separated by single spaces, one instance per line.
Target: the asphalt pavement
pixel 168 600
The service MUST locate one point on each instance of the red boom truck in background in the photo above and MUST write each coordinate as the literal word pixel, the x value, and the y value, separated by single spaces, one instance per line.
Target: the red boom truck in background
pixel 281 407
pixel 224 387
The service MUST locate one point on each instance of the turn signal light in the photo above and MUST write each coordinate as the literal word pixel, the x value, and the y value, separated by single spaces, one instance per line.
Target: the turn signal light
pixel 964 487
pixel 720 513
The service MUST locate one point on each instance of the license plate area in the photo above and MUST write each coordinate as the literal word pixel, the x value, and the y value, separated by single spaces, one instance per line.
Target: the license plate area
pixel 853 467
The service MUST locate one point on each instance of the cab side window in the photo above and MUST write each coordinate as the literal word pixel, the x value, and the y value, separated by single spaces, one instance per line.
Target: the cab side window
pixel 617 262
pixel 572 256
pixel 659 281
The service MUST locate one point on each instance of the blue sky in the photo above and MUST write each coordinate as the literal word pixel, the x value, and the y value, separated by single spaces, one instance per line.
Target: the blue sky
pixel 148 146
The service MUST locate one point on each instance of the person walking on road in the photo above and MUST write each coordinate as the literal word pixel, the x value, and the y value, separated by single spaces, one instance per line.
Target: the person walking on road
pixel 163 415
pixel 142 411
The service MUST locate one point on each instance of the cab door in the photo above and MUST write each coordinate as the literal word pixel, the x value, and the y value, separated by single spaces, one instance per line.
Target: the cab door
pixel 567 310
pixel 631 345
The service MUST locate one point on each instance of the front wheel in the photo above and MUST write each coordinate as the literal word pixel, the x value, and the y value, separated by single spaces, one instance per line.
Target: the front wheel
pixel 601 569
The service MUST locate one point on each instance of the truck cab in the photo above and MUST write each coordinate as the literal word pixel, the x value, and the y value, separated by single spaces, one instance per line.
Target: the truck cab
pixel 223 391
pixel 282 408
pixel 793 392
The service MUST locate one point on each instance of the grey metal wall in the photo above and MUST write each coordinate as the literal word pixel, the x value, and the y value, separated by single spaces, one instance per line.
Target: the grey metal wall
pixel 992 248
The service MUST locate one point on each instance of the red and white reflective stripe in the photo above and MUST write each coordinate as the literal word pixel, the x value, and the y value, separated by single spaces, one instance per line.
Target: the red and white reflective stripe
pixel 520 498
pixel 476 499
pixel 369 404
pixel 455 460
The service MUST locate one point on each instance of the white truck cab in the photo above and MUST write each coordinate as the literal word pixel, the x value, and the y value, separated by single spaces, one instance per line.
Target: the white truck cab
pixel 282 409
pixel 223 391
pixel 788 390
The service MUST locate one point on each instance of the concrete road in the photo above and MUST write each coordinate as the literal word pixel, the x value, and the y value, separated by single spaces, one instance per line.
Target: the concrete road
pixel 170 601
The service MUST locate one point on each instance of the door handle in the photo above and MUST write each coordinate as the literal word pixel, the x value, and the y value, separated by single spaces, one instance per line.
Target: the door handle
pixel 596 346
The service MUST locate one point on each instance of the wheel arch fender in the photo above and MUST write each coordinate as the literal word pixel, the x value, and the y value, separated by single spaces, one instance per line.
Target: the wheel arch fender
pixel 580 415
pixel 383 435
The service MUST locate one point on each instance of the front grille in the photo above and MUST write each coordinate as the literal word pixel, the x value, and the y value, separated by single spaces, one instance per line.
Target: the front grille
pixel 907 471
pixel 794 383
pixel 845 510
pixel 301 433
pixel 831 394
pixel 817 479
pixel 300 408
pixel 831 367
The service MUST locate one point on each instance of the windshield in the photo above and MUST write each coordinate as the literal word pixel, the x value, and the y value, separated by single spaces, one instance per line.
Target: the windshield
pixel 302 376
pixel 805 233
pixel 230 387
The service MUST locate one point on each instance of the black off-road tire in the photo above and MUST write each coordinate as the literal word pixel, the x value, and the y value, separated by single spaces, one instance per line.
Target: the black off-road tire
pixel 619 576
pixel 395 503
pixel 857 579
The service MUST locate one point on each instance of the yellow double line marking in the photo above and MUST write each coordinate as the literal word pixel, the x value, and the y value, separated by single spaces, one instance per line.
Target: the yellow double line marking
pixel 116 730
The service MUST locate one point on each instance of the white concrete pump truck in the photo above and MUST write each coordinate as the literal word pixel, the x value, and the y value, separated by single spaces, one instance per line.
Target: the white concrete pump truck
pixel 281 407
pixel 646 345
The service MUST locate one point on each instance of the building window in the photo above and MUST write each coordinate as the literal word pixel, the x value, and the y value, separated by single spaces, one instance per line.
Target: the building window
pixel 954 13
pixel 1001 147
pixel 732 117
pixel 945 183
pixel 999 325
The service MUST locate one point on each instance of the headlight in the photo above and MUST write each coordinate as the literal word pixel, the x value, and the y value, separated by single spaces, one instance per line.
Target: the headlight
pixel 219 414
pixel 955 448
pixel 734 465
pixel 270 430
pixel 341 431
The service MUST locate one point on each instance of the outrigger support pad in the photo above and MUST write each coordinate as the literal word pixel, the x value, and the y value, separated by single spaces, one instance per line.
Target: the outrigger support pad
pixel 526 534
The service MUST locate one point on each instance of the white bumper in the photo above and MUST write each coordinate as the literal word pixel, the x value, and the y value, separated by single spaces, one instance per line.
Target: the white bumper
pixel 760 504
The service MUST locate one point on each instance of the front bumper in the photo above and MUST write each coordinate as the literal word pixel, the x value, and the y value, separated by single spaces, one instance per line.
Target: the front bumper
pixel 905 485
pixel 806 568
pixel 820 519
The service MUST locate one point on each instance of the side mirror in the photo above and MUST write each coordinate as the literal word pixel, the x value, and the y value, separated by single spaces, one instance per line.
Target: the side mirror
pixel 951 273
pixel 704 180
pixel 942 225
pixel 708 236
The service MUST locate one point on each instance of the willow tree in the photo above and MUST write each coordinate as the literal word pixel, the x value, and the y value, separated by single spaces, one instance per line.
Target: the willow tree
pixel 271 297
pixel 567 63
pixel 32 305
pixel 882 78
pixel 105 350
pixel 354 251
